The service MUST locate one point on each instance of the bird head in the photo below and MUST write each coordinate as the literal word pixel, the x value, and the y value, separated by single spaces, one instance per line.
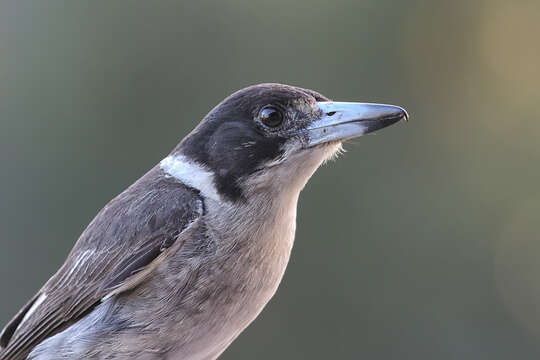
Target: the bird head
pixel 270 137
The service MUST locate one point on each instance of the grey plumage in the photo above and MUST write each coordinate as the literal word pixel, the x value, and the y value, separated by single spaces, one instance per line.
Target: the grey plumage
pixel 141 221
pixel 181 262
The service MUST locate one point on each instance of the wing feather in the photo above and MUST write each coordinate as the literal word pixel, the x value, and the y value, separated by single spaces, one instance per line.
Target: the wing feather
pixel 121 246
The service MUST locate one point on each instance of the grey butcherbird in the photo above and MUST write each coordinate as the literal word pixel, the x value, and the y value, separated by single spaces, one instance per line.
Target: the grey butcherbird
pixel 177 265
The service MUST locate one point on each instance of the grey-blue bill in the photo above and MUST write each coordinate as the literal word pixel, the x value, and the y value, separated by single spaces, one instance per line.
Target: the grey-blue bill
pixel 345 120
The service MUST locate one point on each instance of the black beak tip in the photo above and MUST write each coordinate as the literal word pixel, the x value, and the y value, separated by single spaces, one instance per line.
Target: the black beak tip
pixel 405 115
pixel 398 114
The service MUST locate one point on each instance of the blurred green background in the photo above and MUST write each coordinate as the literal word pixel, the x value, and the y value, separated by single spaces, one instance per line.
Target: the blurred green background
pixel 419 243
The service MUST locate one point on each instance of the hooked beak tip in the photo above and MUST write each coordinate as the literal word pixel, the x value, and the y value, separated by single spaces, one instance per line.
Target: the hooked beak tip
pixel 405 115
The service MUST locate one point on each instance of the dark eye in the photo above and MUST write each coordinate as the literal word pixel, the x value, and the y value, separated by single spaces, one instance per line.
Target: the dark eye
pixel 271 116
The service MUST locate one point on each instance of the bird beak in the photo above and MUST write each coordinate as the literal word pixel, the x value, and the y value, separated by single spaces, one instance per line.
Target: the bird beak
pixel 346 120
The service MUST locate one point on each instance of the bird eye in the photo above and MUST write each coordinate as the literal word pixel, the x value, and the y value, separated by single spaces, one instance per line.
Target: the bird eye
pixel 271 116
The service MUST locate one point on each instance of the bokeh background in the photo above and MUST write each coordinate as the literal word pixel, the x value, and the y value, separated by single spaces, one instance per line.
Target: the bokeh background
pixel 419 243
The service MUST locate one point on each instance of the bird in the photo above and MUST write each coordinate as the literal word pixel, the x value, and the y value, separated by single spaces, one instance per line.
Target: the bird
pixel 181 262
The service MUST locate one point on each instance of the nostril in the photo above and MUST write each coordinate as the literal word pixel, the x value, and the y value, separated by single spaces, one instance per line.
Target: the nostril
pixel 330 113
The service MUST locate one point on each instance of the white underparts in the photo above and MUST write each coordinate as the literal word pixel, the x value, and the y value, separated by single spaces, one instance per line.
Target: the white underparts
pixel 191 174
